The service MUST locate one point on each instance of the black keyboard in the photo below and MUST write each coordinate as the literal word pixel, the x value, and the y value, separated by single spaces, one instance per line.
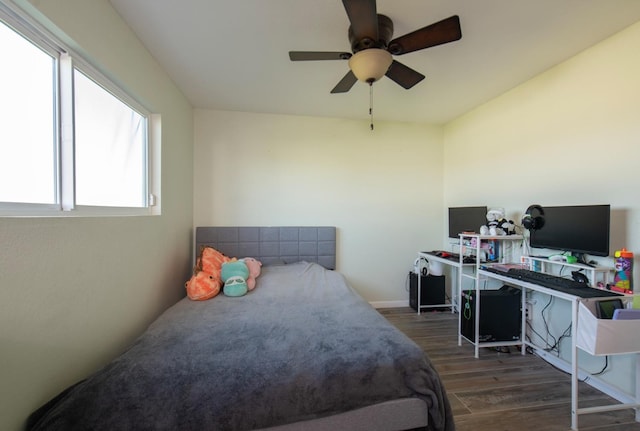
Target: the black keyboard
pixel 554 282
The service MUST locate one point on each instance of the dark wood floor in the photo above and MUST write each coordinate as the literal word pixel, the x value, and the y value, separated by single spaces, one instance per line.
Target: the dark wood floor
pixel 502 391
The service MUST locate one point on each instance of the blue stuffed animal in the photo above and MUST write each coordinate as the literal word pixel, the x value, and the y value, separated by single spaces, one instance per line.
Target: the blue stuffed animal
pixel 234 275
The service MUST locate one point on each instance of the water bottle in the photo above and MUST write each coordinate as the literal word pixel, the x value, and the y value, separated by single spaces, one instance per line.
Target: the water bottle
pixel 623 278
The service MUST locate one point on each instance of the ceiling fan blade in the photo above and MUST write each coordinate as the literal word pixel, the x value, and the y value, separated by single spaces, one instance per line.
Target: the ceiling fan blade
pixel 363 18
pixel 318 55
pixel 345 83
pixel 444 31
pixel 403 75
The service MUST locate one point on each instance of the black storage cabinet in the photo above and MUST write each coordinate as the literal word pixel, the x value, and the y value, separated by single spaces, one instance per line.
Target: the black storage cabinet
pixel 431 290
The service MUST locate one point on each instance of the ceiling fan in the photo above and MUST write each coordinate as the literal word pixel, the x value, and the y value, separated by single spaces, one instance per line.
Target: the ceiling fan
pixel 370 37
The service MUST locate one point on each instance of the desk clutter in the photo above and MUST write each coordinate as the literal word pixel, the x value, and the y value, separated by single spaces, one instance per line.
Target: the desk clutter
pixel 623 265
pixel 451 256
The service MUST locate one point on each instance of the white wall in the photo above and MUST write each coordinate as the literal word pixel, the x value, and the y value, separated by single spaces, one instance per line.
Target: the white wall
pixel 382 188
pixel 75 292
pixel 568 136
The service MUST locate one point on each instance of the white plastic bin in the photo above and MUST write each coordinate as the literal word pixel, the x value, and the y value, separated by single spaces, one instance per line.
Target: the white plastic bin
pixel 606 336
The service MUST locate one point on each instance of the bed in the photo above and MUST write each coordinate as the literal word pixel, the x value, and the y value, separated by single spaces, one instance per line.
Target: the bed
pixel 301 351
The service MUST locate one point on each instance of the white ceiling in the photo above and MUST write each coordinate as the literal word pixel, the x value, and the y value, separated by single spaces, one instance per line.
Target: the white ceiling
pixel 233 54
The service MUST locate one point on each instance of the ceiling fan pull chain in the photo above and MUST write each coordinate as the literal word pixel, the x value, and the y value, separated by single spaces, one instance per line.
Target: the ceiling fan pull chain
pixel 371 103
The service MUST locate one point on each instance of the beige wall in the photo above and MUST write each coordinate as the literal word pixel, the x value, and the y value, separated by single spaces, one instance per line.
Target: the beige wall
pixel 382 189
pixel 569 136
pixel 75 292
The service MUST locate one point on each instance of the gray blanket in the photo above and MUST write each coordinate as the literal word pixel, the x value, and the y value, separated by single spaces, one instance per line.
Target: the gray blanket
pixel 302 345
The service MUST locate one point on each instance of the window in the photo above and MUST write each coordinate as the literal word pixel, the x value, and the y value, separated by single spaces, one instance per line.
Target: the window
pixel 27 135
pixel 110 143
pixel 71 141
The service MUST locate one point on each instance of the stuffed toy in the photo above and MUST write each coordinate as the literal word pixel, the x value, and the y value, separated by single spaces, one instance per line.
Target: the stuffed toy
pixel 508 226
pixel 211 260
pixel 205 283
pixel 234 276
pixel 202 286
pixel 239 276
pixel 255 267
pixel 496 224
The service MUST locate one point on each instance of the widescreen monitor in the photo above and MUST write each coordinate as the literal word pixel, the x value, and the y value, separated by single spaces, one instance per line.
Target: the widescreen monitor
pixel 581 229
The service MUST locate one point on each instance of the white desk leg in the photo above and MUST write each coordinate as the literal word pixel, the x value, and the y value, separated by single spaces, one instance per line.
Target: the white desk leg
pixel 454 292
pixel 574 365
pixel 637 410
pixel 419 280
pixel 523 320
pixel 460 305
pixel 477 321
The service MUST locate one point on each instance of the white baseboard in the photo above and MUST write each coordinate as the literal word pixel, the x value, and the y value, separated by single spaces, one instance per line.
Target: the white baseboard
pixel 390 304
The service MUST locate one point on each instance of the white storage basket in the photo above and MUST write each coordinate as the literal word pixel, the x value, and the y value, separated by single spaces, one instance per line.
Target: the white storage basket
pixel 606 336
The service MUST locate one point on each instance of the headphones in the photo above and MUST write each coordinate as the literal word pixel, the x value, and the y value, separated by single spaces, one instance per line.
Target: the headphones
pixel 531 221
pixel 419 267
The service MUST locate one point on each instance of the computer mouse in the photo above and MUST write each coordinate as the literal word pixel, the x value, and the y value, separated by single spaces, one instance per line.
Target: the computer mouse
pixel 579 277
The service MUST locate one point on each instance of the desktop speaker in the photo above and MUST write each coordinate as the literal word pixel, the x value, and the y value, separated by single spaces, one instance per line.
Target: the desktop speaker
pixel 431 290
pixel 500 314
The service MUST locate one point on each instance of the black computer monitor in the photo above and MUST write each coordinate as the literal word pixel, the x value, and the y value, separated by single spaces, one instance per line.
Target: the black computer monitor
pixel 466 219
pixel 582 229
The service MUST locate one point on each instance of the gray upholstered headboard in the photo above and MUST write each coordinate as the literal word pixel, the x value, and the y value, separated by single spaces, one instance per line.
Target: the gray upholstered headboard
pixel 272 245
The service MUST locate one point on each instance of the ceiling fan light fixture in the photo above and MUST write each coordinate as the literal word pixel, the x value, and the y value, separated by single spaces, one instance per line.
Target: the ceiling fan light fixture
pixel 371 64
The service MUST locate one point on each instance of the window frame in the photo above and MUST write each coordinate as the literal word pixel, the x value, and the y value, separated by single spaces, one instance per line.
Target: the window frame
pixel 66 62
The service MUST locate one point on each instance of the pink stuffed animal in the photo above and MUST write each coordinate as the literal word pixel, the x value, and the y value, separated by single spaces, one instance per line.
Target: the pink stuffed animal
pixel 254 267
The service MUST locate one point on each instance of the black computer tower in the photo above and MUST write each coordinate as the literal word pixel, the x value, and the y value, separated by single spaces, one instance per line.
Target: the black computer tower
pixel 500 315
pixel 431 290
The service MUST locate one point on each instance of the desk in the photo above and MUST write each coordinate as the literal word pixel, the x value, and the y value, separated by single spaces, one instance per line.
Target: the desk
pixel 575 306
pixel 469 245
